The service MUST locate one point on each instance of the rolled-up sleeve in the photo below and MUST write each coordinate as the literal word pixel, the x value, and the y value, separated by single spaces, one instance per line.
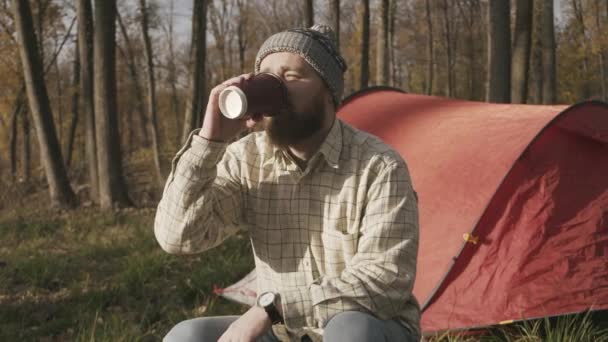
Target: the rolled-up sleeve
pixel 380 277
pixel 202 199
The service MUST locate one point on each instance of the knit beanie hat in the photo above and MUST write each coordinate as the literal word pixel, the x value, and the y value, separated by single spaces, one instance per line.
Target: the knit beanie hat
pixel 317 45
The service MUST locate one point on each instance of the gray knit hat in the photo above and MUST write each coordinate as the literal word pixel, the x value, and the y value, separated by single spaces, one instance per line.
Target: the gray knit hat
pixel 317 45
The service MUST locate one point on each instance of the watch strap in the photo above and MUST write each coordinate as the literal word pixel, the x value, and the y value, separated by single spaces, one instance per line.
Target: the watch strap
pixel 273 314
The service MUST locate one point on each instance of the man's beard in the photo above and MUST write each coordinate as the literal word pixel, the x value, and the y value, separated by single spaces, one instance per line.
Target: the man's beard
pixel 290 127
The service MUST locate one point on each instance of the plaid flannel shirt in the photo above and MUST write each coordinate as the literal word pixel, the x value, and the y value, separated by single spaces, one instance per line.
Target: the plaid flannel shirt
pixel 341 235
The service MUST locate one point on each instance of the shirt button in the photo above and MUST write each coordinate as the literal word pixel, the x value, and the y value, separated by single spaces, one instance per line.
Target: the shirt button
pixel 306 263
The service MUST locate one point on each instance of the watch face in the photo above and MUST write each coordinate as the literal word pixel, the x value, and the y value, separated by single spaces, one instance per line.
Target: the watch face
pixel 266 299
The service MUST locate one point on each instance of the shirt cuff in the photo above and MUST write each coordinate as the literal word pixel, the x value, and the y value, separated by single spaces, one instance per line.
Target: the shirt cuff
pixel 297 308
pixel 199 152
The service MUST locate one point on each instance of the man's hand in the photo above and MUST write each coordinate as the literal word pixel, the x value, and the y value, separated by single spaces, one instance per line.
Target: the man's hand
pixel 216 126
pixel 253 324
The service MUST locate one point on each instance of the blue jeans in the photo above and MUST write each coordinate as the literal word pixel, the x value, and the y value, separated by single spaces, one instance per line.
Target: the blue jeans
pixel 348 326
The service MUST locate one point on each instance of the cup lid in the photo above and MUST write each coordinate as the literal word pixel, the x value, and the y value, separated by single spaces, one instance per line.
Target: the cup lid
pixel 233 102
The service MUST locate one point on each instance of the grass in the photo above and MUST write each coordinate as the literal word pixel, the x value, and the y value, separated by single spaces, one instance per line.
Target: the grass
pixel 88 275
pixel 583 327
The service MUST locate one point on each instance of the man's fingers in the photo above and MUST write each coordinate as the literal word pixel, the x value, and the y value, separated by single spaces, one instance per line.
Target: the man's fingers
pixel 237 79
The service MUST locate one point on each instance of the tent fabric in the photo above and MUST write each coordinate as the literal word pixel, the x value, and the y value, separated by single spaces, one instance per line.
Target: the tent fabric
pixel 527 184
pixel 513 204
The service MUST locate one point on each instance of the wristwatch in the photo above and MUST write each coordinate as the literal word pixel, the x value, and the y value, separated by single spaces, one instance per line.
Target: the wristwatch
pixel 267 301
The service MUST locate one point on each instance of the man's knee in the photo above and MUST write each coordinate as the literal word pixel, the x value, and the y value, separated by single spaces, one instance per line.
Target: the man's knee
pixel 353 326
pixel 208 329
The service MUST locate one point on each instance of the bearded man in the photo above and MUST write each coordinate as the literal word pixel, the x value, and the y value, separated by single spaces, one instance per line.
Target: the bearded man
pixel 330 210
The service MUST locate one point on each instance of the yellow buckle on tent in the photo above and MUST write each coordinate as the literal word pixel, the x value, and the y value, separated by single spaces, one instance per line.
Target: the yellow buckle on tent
pixel 470 238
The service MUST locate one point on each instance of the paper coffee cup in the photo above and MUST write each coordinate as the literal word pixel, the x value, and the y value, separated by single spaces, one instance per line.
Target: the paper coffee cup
pixel 233 102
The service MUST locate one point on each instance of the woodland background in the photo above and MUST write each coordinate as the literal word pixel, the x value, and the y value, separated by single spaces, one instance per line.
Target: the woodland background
pixel 96 96
pixel 113 83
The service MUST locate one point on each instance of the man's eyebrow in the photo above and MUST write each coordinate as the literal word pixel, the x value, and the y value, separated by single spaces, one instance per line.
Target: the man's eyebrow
pixel 284 68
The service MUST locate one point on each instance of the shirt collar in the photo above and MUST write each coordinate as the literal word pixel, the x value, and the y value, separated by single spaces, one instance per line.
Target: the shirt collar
pixel 330 148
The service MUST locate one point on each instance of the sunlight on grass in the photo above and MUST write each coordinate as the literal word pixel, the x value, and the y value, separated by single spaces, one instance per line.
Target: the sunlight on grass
pixel 88 275
pixel 563 328
pixel 93 276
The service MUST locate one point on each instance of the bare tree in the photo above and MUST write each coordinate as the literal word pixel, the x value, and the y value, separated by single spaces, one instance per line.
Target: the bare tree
pixel 151 85
pixel 447 31
pixel 429 49
pixel 26 147
pixel 335 18
pixel 220 20
pixel 392 59
pixel 85 51
pixel 548 53
pixel 172 71
pixel 470 16
pixel 382 49
pixel 499 52
pixel 14 124
pixel 75 93
pixel 535 93
pixel 520 64
pixel 600 27
pixel 129 56
pixel 309 13
pixel 59 186
pixel 196 96
pixel 112 187
pixel 242 24
pixel 364 44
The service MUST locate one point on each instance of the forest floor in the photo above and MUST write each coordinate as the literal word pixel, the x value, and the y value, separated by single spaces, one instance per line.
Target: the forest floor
pixel 86 275
pixel 90 275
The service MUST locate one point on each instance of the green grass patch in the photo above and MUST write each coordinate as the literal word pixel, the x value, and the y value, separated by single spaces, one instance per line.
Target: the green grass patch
pixel 88 275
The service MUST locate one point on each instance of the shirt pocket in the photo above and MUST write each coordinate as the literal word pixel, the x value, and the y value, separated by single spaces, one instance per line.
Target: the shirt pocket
pixel 338 251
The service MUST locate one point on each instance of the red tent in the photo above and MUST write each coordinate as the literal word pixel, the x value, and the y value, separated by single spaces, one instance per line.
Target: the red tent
pixel 513 204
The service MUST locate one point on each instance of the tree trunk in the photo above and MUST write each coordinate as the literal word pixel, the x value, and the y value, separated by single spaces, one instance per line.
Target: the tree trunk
pixel 75 107
pixel 604 57
pixel 599 23
pixel 469 17
pixel 309 13
pixel 139 94
pixel 172 75
pixel 59 186
pixel 218 24
pixel 40 10
pixel 429 49
pixel 548 54
pixel 241 32
pixel 59 94
pixel 448 47
pixel 85 51
pixel 26 152
pixel 364 45
pixel 499 52
pixel 392 59
pixel 196 97
pixel 521 51
pixel 112 188
pixel 535 93
pixel 12 140
pixel 382 45
pixel 335 19
pixel 151 85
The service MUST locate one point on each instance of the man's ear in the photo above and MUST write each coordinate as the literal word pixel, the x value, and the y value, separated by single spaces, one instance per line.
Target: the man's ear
pixel 329 100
